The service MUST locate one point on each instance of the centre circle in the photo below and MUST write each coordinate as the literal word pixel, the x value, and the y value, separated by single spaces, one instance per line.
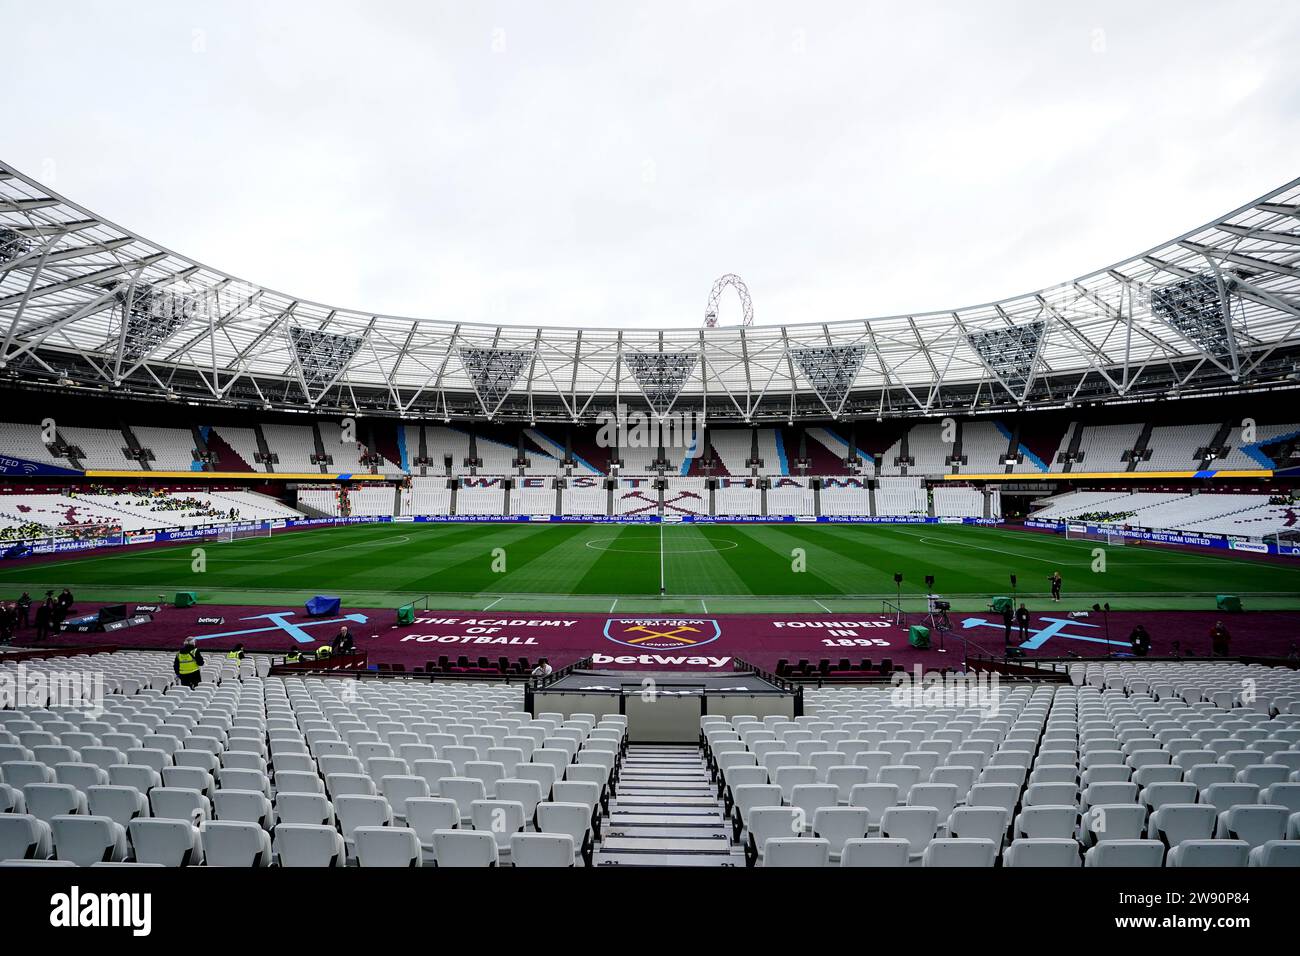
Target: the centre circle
pixel 601 544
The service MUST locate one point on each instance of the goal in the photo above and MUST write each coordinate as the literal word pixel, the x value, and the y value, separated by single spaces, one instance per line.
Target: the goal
pixel 234 532
pixel 1079 532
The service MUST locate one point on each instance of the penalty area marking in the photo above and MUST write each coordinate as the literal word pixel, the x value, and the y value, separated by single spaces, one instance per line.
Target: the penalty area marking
pixel 400 539
pixel 1188 557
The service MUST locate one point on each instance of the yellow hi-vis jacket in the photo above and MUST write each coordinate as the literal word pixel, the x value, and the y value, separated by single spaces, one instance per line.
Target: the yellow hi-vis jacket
pixel 186 663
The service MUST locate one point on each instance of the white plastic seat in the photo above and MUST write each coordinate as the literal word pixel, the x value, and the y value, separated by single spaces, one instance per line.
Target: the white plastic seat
pixel 573 819
pixel 1209 853
pixel 1276 853
pixel 1003 795
pixel 464 790
pixel 360 811
pixel 86 839
pixel 837 825
pixel 310 809
pixel 543 773
pixel 243 806
pixel 120 804
pixel 809 798
pixel 875 798
pixel 1282 795
pixel 941 796
pixel 173 803
pixel 297 781
pixel 11 800
pixel 975 852
pixel 1225 795
pixel 796 852
pixel 48 800
pixel 188 778
pixel 845 778
pixel 1054 794
pixel 1114 821
pixel 24 836
pixel 1126 853
pixel 235 844
pixel 464 848
pixel 501 818
pixel 1046 821
pixel 989 823
pixel 903 776
pixel 309 845
pixel 399 789
pixel 1042 853
pixel 542 850
pixel 875 852
pixel 236 779
pixel 1256 824
pixel 1175 823
pixel 528 793
pixel 766 823
pixel 83 776
pixel 387 847
pixel 344 785
pixel 746 796
pixel 169 842
pixel 916 825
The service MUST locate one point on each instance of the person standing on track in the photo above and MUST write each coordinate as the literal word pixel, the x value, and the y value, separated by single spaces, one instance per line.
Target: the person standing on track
pixel 1022 623
pixel 44 619
pixel 1056 586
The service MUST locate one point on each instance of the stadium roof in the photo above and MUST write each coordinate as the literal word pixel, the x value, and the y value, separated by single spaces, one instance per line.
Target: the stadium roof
pixel 85 303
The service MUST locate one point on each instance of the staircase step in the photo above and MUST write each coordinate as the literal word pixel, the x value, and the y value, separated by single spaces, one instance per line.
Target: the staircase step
pixel 698 817
pixel 708 832
pixel 715 845
pixel 625 859
pixel 665 812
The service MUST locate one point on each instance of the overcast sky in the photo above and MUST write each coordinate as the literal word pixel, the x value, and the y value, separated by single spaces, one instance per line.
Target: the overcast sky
pixel 603 162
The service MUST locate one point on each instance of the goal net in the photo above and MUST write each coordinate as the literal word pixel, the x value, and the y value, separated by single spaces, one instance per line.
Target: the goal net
pixel 234 533
pixel 1079 532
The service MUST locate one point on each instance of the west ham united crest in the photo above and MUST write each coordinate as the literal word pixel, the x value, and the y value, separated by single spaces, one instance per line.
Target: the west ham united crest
pixel 662 634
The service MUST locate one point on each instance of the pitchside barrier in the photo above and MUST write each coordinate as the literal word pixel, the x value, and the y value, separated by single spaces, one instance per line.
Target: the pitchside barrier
pixel 224 532
pixel 665 707
pixel 1120 535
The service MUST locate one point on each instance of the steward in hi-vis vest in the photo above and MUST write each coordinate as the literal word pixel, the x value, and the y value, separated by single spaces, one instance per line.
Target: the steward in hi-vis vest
pixel 188 663
pixel 293 657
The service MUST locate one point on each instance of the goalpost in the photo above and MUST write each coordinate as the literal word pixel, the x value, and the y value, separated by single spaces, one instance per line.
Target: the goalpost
pixel 230 533
pixel 1079 532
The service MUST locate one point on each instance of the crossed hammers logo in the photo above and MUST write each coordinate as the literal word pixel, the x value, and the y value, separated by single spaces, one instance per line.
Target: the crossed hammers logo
pixel 651 635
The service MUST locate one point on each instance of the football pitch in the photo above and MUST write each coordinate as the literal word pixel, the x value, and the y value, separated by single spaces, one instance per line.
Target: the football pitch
pixel 604 568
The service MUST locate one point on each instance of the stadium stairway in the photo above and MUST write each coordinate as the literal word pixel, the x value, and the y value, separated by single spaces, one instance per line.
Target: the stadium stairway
pixel 665 812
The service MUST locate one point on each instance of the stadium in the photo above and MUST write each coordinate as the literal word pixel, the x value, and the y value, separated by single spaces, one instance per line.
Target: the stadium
pixel 809 513
pixel 296 586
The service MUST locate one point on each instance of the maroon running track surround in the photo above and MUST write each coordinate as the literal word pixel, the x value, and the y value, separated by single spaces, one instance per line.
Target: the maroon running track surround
pixel 685 642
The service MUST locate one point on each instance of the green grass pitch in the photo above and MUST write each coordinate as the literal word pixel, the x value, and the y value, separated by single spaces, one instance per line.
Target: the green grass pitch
pixel 706 568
